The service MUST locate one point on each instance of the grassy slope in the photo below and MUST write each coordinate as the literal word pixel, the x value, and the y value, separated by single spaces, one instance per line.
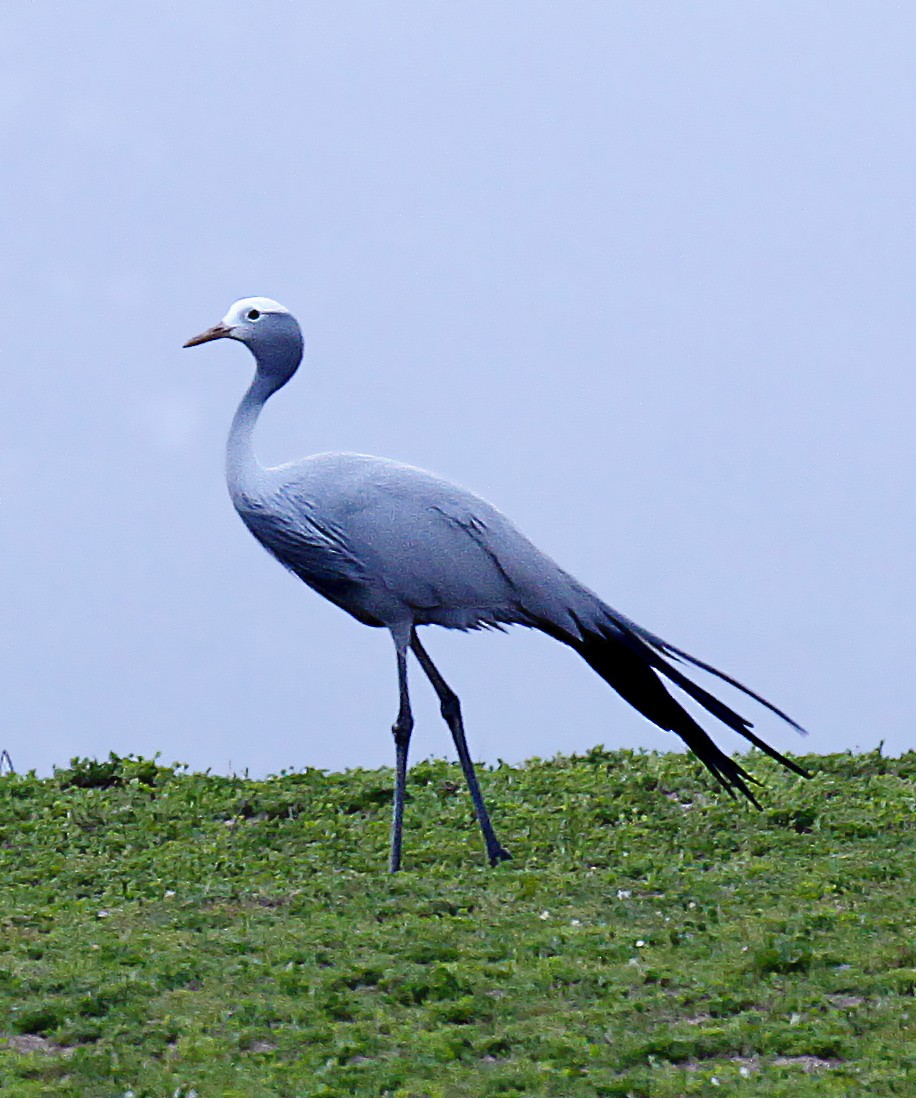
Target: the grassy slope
pixel 177 934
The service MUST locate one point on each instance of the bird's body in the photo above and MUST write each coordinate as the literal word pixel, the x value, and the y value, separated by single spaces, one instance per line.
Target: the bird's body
pixel 399 548
pixel 391 543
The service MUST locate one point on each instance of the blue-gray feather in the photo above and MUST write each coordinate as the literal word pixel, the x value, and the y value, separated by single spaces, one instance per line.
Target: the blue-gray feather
pixel 414 547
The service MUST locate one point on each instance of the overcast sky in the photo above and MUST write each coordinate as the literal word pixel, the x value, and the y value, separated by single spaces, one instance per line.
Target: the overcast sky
pixel 640 273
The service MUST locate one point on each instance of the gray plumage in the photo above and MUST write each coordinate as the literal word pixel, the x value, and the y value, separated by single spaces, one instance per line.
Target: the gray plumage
pixel 398 548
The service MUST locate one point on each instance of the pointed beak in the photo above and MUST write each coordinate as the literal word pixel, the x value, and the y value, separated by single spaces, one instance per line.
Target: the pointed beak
pixel 218 331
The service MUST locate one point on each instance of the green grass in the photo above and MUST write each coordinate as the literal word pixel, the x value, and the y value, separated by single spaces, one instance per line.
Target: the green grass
pixel 173 934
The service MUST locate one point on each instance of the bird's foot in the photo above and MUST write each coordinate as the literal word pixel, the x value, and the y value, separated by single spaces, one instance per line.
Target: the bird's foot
pixel 498 855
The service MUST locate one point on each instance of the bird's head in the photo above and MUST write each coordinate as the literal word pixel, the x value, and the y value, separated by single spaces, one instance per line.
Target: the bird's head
pixel 269 330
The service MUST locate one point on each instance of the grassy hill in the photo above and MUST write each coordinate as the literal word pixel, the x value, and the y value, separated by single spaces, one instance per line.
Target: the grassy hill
pixel 175 934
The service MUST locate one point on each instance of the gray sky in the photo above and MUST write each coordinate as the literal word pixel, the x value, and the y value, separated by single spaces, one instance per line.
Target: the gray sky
pixel 640 273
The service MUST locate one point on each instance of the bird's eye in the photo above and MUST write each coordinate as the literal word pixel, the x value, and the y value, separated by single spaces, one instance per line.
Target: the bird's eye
pixel 253 314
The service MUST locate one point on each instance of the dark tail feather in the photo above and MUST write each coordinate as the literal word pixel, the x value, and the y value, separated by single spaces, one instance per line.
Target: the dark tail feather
pixel 657 643
pixel 725 714
pixel 629 665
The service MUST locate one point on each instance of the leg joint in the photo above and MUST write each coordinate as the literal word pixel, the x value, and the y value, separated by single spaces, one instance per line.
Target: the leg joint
pixel 402 728
pixel 451 706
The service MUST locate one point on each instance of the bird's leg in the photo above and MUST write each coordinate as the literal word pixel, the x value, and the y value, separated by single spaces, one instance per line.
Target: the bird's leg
pixel 401 730
pixel 451 712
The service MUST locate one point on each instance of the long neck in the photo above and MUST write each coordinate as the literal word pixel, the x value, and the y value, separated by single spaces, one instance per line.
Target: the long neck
pixel 276 366
pixel 241 462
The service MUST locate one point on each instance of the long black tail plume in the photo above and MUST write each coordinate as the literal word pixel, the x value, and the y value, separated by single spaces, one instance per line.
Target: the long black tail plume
pixel 631 665
pixel 656 645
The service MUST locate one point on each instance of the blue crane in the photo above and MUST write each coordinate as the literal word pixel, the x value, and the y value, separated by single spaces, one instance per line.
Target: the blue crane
pixel 397 548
